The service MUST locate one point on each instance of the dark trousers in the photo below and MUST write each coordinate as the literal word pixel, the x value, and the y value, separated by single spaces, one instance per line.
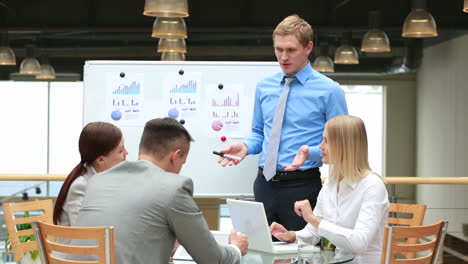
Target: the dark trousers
pixel 278 198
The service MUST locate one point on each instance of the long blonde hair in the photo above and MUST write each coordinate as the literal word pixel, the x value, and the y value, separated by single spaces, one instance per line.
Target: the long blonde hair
pixel 347 148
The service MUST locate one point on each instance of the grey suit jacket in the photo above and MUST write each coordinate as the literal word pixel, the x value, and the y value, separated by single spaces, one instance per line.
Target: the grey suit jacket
pixel 75 197
pixel 150 208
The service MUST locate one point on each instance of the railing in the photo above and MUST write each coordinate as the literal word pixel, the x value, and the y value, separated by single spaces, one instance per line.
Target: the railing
pixel 32 177
pixel 388 180
pixel 421 180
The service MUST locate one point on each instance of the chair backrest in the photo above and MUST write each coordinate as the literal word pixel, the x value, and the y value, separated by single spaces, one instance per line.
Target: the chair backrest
pixel 392 247
pixel 12 222
pixel 102 253
pixel 417 212
pixel 406 215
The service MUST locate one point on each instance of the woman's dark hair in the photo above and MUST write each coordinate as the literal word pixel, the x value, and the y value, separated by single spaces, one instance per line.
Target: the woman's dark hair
pixel 96 139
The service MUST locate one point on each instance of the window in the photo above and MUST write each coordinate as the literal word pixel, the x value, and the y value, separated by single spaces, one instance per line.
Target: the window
pixel 23 133
pixel 41 123
pixel 66 122
pixel 366 102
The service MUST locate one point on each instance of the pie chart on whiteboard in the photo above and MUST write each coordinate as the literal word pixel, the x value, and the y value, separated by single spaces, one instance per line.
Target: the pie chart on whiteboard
pixel 217 125
pixel 116 115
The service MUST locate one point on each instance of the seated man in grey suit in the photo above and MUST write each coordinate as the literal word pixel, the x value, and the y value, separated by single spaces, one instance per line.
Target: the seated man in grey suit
pixel 151 205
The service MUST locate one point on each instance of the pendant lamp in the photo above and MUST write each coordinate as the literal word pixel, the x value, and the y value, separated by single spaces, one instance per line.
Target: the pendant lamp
pixel 419 23
pixel 375 40
pixel 172 45
pixel 172 56
pixel 47 71
pixel 166 8
pixel 30 65
pixel 7 56
pixel 465 7
pixel 169 27
pixel 346 54
pixel 323 63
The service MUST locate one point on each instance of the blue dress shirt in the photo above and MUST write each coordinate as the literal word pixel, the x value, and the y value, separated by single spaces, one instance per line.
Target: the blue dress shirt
pixel 313 99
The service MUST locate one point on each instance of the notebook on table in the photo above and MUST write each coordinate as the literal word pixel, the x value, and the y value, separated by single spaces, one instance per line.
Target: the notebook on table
pixel 250 218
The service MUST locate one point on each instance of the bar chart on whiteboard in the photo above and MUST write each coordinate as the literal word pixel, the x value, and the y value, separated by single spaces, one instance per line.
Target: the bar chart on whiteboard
pixel 182 95
pixel 225 114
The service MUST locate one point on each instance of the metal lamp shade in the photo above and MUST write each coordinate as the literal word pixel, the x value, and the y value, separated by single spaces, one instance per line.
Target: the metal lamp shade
pixel 375 40
pixel 172 45
pixel 346 54
pixel 30 65
pixel 169 27
pixel 323 64
pixel 47 72
pixel 419 24
pixel 7 56
pixel 172 56
pixel 166 8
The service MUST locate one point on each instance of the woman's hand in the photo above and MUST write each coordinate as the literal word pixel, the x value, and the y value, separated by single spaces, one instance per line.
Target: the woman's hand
pixel 304 210
pixel 281 233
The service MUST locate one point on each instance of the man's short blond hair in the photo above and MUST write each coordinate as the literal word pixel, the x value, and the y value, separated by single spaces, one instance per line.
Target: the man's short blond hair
pixel 294 25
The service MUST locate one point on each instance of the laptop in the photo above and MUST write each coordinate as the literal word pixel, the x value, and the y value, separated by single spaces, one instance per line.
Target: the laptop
pixel 249 218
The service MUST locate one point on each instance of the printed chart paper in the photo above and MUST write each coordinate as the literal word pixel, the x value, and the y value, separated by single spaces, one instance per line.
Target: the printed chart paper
pixel 125 99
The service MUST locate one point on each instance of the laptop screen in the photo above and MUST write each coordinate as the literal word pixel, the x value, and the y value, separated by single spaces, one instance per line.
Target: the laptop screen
pixel 249 218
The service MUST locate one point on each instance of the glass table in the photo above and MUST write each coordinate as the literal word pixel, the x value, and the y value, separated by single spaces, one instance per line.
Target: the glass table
pixel 322 257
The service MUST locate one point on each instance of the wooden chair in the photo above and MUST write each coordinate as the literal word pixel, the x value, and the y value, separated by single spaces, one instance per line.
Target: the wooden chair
pixel 13 222
pixel 406 215
pixel 102 253
pixel 416 211
pixel 393 247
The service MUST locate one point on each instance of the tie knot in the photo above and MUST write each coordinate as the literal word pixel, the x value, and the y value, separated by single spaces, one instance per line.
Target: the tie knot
pixel 288 80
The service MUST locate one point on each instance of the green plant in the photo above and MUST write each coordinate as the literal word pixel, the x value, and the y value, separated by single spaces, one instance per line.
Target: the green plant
pixel 326 244
pixel 22 239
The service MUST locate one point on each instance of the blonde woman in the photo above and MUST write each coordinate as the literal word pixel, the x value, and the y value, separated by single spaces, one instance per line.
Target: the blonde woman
pixel 352 207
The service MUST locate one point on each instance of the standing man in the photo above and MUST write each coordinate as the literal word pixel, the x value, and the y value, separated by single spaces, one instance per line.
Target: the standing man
pixel 150 204
pixel 290 112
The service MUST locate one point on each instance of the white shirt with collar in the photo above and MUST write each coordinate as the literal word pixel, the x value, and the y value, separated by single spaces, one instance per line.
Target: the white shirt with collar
pixel 352 219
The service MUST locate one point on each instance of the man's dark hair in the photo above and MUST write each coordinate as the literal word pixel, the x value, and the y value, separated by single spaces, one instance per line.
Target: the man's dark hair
pixel 162 135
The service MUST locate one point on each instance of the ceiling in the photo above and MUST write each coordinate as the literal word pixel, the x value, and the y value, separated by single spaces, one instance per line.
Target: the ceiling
pixel 71 32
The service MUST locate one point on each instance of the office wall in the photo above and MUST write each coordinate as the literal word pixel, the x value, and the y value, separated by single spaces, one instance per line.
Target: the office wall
pixel 442 127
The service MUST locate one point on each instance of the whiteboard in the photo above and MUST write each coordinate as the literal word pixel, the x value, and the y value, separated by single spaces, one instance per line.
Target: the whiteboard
pixel 154 86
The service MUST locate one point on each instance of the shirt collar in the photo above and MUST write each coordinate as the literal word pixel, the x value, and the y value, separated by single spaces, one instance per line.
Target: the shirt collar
pixel 352 185
pixel 302 75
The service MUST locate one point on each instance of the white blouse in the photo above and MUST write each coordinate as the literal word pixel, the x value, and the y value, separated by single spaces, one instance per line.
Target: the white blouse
pixel 75 197
pixel 352 219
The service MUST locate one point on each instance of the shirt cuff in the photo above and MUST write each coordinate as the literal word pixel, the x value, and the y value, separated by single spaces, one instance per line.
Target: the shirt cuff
pixel 315 154
pixel 300 236
pixel 325 228
pixel 237 249
pixel 247 144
